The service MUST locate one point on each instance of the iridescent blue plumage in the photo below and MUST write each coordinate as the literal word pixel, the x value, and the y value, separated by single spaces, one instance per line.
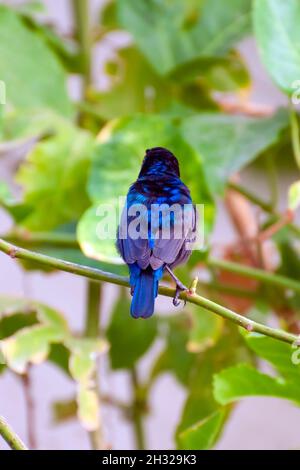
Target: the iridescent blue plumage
pixel 158 183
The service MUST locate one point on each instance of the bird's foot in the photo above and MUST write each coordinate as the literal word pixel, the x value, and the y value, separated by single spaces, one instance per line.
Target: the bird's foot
pixel 179 288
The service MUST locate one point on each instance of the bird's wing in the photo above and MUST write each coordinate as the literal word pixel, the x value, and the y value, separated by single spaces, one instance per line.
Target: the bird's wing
pixel 170 247
pixel 133 249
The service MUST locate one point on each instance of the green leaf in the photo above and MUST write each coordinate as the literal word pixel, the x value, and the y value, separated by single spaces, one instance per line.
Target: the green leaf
pixel 175 32
pixel 32 74
pixel 136 87
pixel 294 196
pixel 277 353
pixel 54 178
pixel 129 339
pixel 205 331
pixel 108 16
pixel 203 434
pixel 94 244
pixel 276 26
pixel 10 324
pixel 200 403
pixel 26 340
pixel 116 164
pixel 84 352
pixel 228 143
pixel 29 345
pixel 59 355
pixel 221 74
pixel 64 410
pixel 88 407
pixel 175 358
pixel 82 365
pixel 243 380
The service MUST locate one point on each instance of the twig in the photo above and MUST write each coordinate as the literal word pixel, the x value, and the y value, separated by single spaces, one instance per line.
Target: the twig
pixel 99 275
pixel 264 205
pixel 10 436
pixel 92 331
pixel 81 16
pixel 30 418
pixel 267 207
pixel 249 109
pixel 286 219
pixel 137 417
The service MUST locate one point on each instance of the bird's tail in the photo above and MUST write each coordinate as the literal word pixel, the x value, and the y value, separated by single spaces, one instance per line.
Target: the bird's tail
pixel 145 292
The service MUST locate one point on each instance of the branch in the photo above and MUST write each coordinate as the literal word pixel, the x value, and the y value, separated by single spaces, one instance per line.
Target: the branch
pixel 99 275
pixel 10 437
pixel 267 207
pixel 254 273
pixel 92 330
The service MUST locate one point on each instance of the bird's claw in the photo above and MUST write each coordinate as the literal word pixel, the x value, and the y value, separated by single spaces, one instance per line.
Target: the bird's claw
pixel 179 288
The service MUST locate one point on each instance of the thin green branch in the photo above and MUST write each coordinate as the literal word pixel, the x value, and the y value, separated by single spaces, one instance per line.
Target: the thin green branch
pixel 99 275
pixel 81 17
pixel 255 273
pixel 64 240
pixel 137 412
pixel 10 436
pixel 92 327
pixel 272 178
pixel 265 206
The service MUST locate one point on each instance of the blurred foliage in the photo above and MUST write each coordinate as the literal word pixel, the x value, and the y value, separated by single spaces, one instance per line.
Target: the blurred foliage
pixel 167 87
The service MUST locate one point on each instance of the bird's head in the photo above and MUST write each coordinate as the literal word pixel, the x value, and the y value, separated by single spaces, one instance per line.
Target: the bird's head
pixel 159 161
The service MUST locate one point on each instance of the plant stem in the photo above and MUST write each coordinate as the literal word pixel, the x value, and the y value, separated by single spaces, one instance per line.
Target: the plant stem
pixel 92 324
pixel 255 273
pixel 295 136
pixel 30 410
pixel 66 240
pixel 10 437
pixel 229 289
pixel 272 177
pixel 137 416
pixel 267 207
pixel 99 275
pixel 81 16
pixel 92 327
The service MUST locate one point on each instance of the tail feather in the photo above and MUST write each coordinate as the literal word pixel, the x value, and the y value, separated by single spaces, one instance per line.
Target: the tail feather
pixel 145 292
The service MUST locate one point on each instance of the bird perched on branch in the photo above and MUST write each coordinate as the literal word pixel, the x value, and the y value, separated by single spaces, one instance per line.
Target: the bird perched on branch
pixel 156 228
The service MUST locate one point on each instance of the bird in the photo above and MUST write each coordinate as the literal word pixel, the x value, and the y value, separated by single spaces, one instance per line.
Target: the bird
pixel 149 256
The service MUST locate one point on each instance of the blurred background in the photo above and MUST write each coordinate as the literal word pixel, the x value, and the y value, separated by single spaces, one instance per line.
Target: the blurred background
pixel 121 81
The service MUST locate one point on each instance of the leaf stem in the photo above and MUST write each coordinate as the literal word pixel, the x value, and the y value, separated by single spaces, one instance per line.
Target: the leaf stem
pixel 65 240
pixel 10 437
pixel 92 327
pixel 81 16
pixel 255 273
pixel 30 409
pixel 99 275
pixel 137 417
pixel 267 207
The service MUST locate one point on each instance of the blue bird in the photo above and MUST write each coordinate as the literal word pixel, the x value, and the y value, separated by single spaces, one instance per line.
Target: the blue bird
pixel 158 247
